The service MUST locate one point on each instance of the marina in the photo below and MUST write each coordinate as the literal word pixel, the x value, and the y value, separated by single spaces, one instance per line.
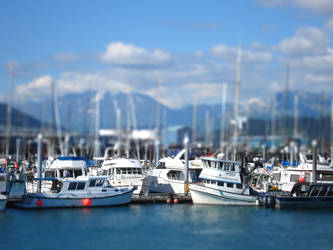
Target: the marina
pixel 166 125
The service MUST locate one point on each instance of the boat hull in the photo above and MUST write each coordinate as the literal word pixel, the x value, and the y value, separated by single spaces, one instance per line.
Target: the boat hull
pixel 3 203
pixel 41 201
pixel 206 195
pixel 303 202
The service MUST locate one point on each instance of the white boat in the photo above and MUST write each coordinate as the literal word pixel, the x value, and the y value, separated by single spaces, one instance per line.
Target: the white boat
pixel 169 175
pixel 123 172
pixel 222 182
pixel 60 167
pixel 82 191
pixel 287 176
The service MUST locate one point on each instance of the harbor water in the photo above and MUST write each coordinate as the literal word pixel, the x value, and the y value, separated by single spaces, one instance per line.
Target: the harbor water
pixel 163 226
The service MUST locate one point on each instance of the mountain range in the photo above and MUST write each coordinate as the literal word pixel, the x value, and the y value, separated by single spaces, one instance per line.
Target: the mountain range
pixel 77 111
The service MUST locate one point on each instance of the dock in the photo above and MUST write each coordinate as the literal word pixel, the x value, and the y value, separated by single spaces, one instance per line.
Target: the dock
pixel 161 198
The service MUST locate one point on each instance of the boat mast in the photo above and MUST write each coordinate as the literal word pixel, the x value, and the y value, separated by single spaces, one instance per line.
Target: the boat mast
pixel 331 132
pixel 295 116
pixel 194 119
pixel 57 118
pixel 9 107
pixel 157 139
pixel 236 108
pixel 132 107
pixel 97 115
pixel 223 114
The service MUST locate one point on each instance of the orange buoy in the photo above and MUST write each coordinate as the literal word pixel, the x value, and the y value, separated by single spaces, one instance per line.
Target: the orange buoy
pixel 168 201
pixel 39 203
pixel 301 179
pixel 86 202
pixel 176 200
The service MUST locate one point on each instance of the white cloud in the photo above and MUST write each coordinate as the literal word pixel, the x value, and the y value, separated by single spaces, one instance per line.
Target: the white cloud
pixel 35 88
pixel 127 54
pixel 230 53
pixel 306 40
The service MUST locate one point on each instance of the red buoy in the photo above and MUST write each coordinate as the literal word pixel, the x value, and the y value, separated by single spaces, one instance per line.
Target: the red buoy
pixel 168 201
pixel 176 200
pixel 39 203
pixel 16 165
pixel 86 202
pixel 301 179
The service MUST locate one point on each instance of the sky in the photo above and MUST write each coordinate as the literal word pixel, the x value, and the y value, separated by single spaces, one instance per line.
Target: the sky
pixel 173 51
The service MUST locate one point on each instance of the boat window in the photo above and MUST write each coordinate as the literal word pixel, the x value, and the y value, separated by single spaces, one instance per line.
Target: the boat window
pixel 294 178
pixel 226 166
pixel 220 183
pixel 130 171
pixel 105 172
pixel 50 174
pixel 220 165
pixel 161 165
pixel 77 172
pixel 118 171
pixel 176 175
pixel 213 182
pixel 214 164
pixel 208 163
pixel 239 186
pixel 92 183
pixel 230 185
pixel 232 167
pixel 72 186
pixel 81 185
pixel 99 183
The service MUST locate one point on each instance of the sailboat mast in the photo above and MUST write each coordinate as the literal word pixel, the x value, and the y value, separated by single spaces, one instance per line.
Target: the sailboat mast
pixel 295 116
pixel 223 114
pixel 9 107
pixel 332 132
pixel 194 119
pixel 236 108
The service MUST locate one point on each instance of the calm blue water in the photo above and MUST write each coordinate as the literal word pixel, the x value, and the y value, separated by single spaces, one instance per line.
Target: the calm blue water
pixel 162 226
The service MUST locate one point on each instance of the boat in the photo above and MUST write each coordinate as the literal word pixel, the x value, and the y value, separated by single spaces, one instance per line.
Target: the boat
pixel 307 195
pixel 287 175
pixel 123 172
pixel 223 182
pixel 169 175
pixel 60 167
pixel 4 189
pixel 82 191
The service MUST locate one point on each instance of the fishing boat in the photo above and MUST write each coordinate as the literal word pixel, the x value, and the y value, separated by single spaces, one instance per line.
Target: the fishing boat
pixel 82 191
pixel 224 183
pixel 308 195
